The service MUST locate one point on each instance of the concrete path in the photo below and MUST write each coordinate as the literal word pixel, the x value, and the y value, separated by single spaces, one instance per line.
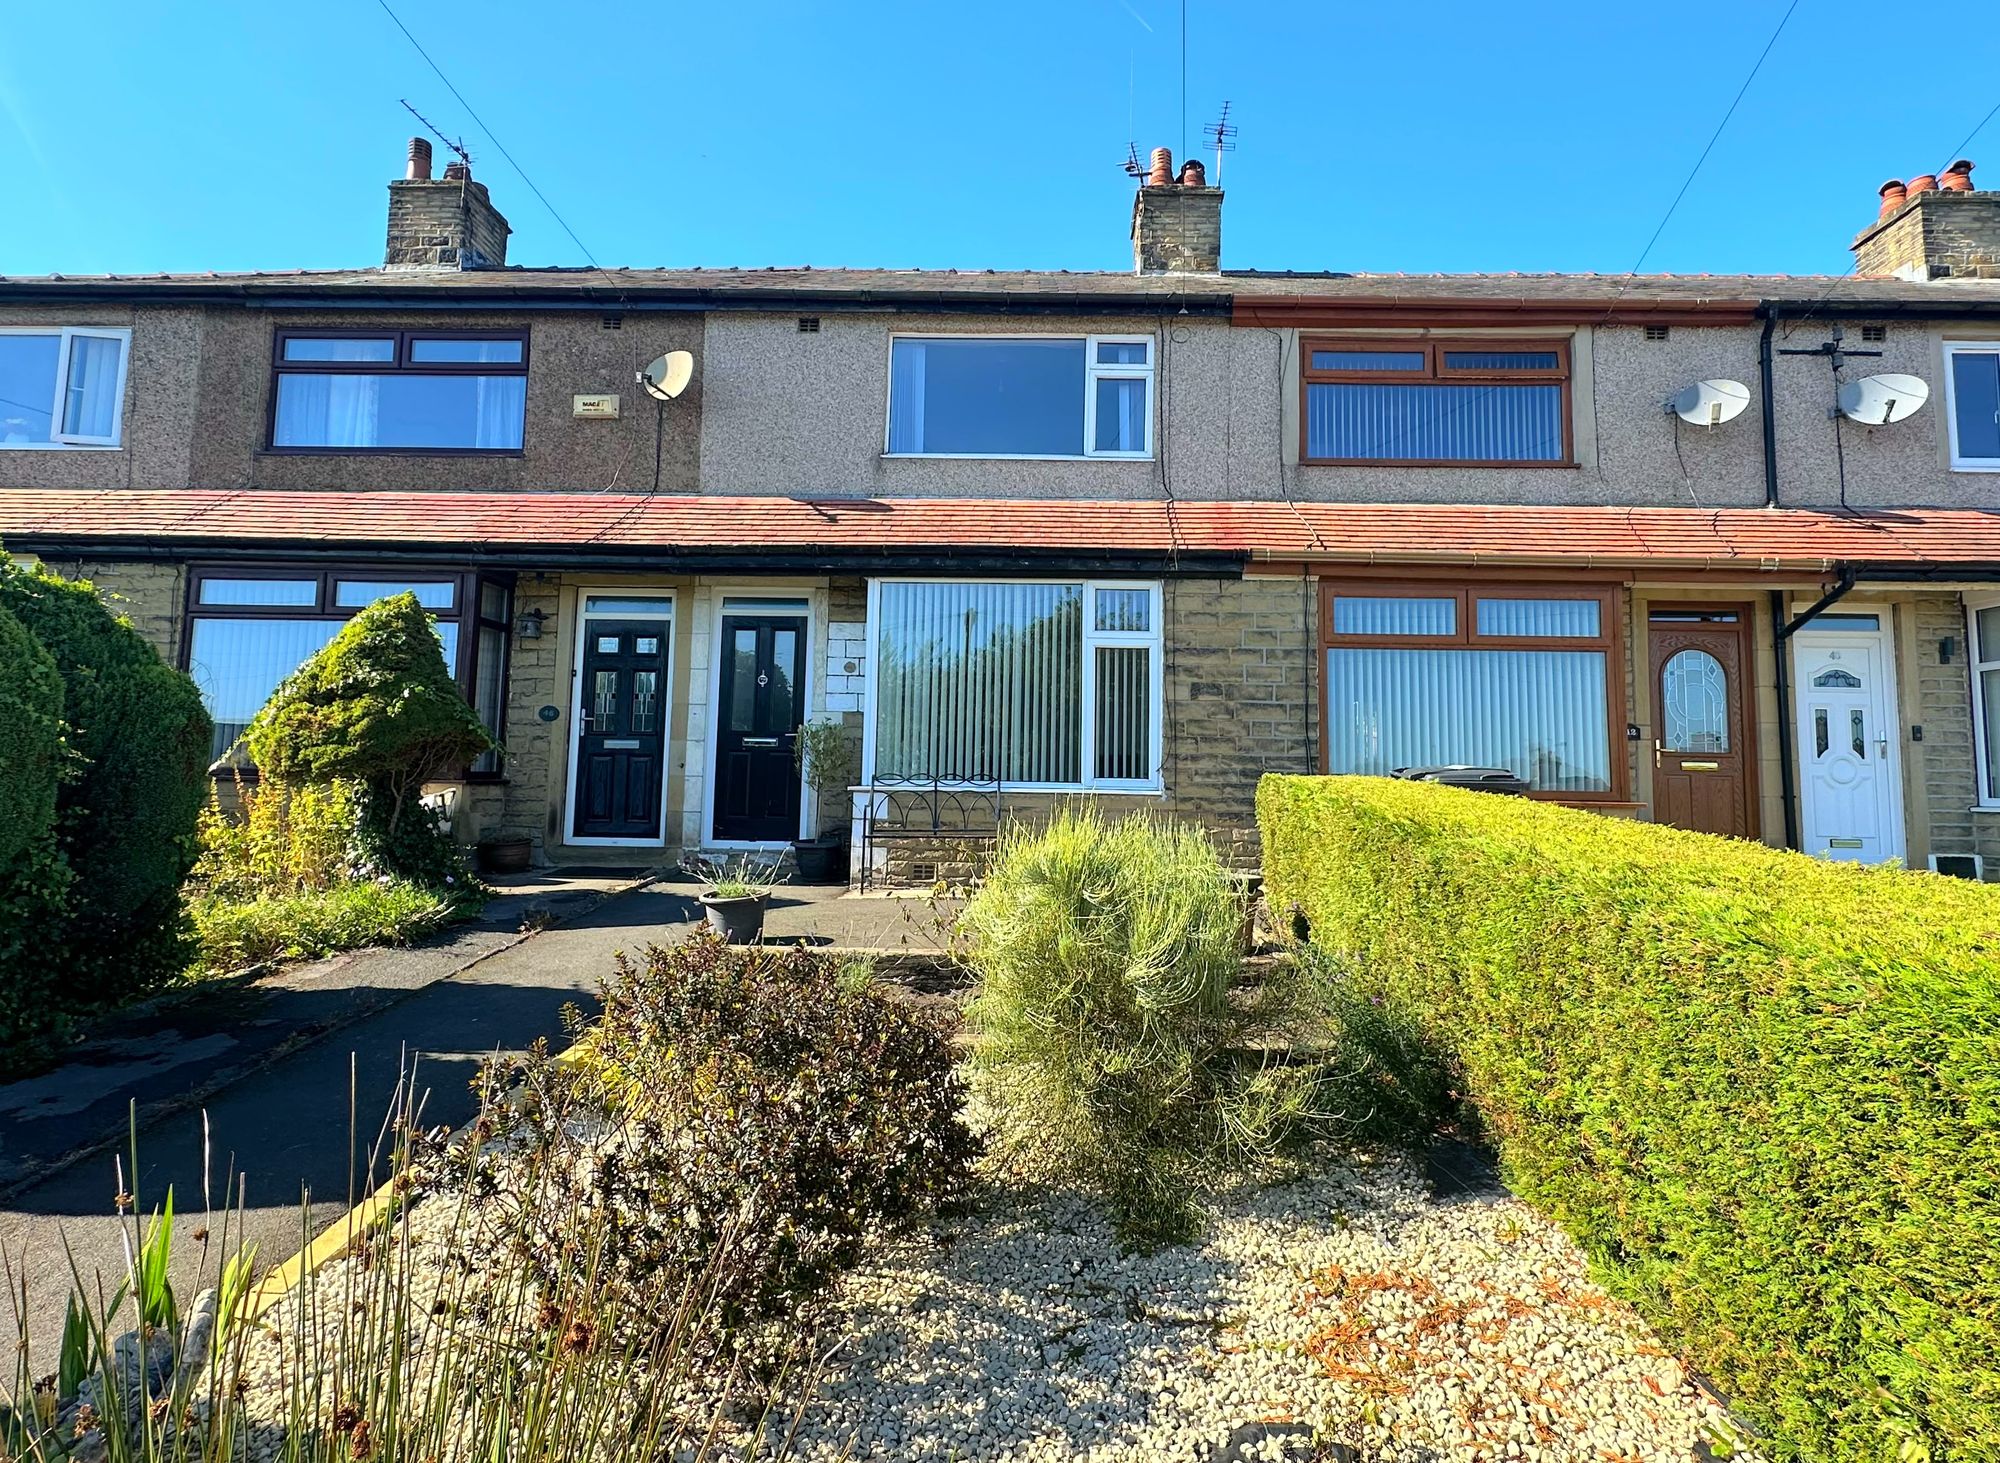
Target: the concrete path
pixel 298 1129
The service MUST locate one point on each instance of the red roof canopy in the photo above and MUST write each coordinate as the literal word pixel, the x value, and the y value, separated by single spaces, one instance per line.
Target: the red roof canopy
pixel 1745 538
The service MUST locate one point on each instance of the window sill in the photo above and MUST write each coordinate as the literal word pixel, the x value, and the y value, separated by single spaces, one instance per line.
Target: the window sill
pixel 391 452
pixel 1439 462
pixel 61 447
pixel 1989 808
pixel 1013 457
pixel 1981 465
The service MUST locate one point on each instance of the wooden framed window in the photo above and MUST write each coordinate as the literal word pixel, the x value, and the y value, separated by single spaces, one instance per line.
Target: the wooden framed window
pixel 1435 403
pixel 1432 674
pixel 250 626
pixel 399 390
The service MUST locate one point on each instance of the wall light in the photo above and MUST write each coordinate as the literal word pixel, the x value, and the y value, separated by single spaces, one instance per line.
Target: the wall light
pixel 529 626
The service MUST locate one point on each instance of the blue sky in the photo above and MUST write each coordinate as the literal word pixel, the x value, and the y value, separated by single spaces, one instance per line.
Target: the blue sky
pixel 1384 137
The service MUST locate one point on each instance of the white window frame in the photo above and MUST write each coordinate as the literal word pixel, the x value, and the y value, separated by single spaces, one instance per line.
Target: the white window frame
pixel 59 440
pixel 1979 658
pixel 1952 350
pixel 1092 374
pixel 1152 640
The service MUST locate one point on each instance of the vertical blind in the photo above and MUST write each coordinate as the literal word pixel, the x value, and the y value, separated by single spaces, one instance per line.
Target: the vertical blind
pixel 1421 422
pixel 1540 713
pixel 978 682
pixel 1123 734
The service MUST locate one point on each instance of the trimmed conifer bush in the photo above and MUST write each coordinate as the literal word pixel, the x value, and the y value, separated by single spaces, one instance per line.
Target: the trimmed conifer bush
pixel 138 738
pixel 377 708
pixel 33 877
pixel 1761 1090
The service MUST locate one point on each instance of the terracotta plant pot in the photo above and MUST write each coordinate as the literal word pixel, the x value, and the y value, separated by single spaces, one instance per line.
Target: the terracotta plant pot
pixel 739 920
pixel 505 855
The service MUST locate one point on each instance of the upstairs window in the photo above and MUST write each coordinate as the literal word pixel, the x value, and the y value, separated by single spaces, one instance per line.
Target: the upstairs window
pixel 1021 396
pixel 1437 403
pixel 399 391
pixel 1972 376
pixel 62 386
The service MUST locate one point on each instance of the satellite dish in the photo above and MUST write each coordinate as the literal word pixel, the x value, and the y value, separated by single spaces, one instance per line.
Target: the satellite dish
pixel 1877 400
pixel 667 376
pixel 1711 403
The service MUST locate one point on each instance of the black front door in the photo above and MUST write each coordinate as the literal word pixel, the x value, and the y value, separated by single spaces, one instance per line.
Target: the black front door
pixel 621 707
pixel 762 701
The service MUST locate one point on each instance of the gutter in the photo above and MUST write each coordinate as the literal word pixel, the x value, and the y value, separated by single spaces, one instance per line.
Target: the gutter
pixel 822 560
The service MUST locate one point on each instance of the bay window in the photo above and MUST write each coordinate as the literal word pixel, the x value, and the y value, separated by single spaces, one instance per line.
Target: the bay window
pixel 398 391
pixel 1489 676
pixel 248 629
pixel 1021 396
pixel 62 386
pixel 1051 684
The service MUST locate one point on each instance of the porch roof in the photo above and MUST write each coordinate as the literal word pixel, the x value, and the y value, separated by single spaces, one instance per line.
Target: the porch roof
pixel 853 533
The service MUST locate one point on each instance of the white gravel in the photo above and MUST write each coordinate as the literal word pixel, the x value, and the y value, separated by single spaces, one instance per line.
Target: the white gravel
pixel 1353 1307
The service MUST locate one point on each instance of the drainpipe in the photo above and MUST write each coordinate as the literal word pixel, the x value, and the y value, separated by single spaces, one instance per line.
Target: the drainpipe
pixel 1767 395
pixel 1782 631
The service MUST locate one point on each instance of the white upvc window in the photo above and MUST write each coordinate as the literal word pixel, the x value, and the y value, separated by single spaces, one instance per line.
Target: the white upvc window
pixel 1972 404
pixel 1037 685
pixel 1027 396
pixel 62 386
pixel 1982 616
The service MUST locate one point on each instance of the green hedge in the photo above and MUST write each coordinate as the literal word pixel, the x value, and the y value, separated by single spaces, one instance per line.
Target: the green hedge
pixel 33 877
pixel 1762 1091
pixel 126 811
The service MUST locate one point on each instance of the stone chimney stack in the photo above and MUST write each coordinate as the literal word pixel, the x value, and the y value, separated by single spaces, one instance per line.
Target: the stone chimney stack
pixel 442 223
pixel 1176 221
pixel 1936 226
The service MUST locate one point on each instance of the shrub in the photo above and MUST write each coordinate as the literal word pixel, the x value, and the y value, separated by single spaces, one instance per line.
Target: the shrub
pixel 234 932
pixel 34 880
pixel 279 840
pixel 764 1104
pixel 1763 1091
pixel 125 817
pixel 1109 1025
pixel 378 708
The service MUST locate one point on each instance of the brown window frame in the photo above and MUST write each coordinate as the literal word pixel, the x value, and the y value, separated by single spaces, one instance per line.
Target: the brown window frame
pixel 465 612
pixel 402 365
pixel 1435 370
pixel 1610 639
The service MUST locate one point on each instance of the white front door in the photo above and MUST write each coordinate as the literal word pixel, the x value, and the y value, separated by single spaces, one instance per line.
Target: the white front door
pixel 1849 748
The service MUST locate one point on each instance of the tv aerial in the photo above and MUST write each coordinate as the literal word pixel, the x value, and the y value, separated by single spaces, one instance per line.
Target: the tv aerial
pixel 1221 135
pixel 1876 401
pixel 1710 403
pixel 666 377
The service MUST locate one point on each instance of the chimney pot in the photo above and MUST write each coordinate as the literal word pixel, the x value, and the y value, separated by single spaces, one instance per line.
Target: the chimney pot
pixel 457 172
pixel 1922 183
pixel 1893 195
pixel 1958 177
pixel 1932 227
pixel 420 159
pixel 1193 174
pixel 1162 174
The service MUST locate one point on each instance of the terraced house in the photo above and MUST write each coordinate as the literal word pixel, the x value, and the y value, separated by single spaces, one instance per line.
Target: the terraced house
pixel 1717 551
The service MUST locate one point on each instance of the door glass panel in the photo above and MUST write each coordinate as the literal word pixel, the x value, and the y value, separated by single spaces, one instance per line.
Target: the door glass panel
pixel 784 675
pixel 1819 731
pixel 607 645
pixel 604 703
pixel 1838 678
pixel 1694 697
pixel 1856 725
pixel 645 700
pixel 611 604
pixel 646 645
pixel 743 682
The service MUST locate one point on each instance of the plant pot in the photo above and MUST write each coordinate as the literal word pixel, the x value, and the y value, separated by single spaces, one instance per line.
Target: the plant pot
pixel 739 919
pixel 821 860
pixel 505 855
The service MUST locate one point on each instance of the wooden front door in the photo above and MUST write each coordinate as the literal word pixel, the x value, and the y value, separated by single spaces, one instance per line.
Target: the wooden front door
pixel 621 730
pixel 761 696
pixel 1701 721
